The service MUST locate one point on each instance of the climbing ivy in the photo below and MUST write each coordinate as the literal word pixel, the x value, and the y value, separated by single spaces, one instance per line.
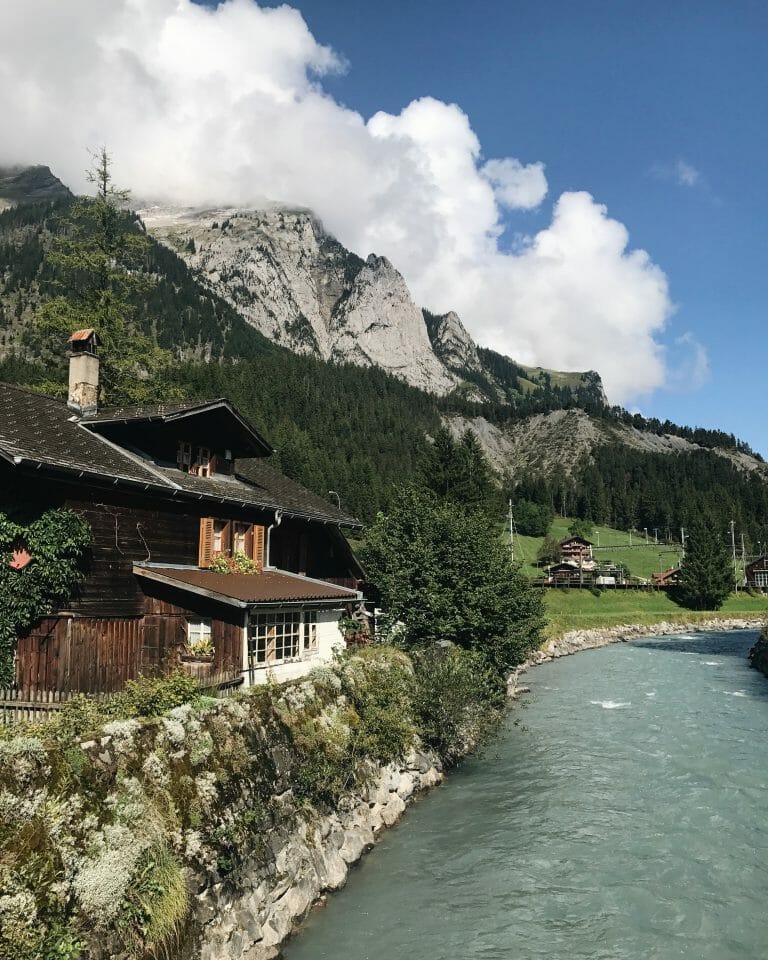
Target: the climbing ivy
pixel 56 542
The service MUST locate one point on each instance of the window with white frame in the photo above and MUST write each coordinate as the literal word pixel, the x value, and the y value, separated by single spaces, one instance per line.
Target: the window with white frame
pixel 310 631
pixel 761 579
pixel 199 636
pixel 280 636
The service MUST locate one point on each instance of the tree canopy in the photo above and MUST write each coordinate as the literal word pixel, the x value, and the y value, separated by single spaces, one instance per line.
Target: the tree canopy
pixel 98 259
pixel 444 574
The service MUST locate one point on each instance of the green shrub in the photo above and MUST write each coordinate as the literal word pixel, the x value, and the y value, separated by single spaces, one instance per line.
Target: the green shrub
pixel 379 683
pixel 458 698
pixel 156 905
pixel 154 696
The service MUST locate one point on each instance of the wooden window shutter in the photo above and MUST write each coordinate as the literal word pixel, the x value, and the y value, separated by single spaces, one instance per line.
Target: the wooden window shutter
pixel 258 544
pixel 206 542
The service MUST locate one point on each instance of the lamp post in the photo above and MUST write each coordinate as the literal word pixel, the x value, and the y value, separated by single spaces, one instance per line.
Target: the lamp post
pixel 338 498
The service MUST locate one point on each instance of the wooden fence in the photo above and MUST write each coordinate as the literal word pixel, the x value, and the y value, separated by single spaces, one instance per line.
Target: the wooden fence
pixel 37 706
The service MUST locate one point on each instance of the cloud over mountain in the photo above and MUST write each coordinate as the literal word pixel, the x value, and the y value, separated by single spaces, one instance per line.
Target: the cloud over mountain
pixel 202 106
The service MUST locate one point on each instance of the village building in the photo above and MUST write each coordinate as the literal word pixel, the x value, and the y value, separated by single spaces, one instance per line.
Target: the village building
pixel 667 578
pixel 577 550
pixel 756 573
pixel 168 490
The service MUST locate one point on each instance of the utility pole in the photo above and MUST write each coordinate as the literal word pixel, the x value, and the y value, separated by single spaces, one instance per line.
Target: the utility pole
pixel 511 531
pixel 682 537
pixel 743 558
pixel 733 549
pixel 656 535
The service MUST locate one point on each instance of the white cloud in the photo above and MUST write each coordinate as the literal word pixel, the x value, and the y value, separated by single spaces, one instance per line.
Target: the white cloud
pixel 681 172
pixel 202 106
pixel 516 185
pixel 690 369
pixel 687 175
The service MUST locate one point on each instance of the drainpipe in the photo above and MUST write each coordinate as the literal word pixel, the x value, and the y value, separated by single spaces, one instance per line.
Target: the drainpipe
pixel 275 523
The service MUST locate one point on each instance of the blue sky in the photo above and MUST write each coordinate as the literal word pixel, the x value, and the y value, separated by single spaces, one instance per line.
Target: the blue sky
pixel 512 159
pixel 615 98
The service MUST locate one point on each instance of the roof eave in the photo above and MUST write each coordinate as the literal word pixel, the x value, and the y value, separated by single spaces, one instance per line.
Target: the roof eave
pixel 175 493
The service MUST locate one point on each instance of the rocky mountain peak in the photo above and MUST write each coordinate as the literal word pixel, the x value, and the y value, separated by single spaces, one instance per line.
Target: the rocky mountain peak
pixel 301 288
pixel 452 343
pixel 38 184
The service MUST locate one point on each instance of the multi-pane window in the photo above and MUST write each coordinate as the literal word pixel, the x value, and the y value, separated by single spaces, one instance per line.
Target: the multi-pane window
pixel 310 630
pixel 273 638
pixel 199 637
pixel 240 538
pixel 225 537
pixel 220 536
pixel 184 456
pixel 203 462
pixel 761 579
pixel 200 464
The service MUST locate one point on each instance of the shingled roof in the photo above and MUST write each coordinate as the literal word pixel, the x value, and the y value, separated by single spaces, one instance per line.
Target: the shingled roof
pixel 42 433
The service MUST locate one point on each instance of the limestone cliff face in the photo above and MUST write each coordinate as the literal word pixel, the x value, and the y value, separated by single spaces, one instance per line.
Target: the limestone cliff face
pixel 453 344
pixel 298 286
pixel 379 325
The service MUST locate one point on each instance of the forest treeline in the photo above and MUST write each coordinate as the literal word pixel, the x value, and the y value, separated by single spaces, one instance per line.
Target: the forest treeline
pixel 357 431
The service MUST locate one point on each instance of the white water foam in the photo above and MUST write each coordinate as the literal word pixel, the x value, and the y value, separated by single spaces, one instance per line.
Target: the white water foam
pixel 610 704
pixel 711 663
pixel 651 694
pixel 735 693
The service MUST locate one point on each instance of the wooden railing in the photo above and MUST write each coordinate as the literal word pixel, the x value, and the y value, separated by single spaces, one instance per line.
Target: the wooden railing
pixel 37 706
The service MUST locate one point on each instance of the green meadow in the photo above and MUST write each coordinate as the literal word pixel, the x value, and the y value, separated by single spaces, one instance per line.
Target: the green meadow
pixel 573 609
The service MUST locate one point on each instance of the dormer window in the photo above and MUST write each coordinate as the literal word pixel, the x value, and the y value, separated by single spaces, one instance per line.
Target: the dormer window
pixel 197 461
pixel 184 456
pixel 204 462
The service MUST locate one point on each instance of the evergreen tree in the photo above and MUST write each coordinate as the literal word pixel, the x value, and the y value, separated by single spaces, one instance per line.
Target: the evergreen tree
pixel 99 265
pixel 706 573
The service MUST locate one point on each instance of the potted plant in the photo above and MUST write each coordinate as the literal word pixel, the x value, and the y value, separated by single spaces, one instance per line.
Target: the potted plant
pixel 199 651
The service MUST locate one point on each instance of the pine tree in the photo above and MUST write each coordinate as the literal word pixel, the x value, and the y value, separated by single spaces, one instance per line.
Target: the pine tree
pixel 99 262
pixel 706 574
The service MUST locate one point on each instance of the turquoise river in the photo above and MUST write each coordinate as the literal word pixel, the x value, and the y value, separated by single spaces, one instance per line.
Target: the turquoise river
pixel 624 816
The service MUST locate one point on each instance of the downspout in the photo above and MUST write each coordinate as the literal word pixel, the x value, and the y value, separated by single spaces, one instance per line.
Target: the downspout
pixel 276 523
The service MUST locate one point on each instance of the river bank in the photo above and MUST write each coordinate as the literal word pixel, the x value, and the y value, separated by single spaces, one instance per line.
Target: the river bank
pixel 616 820
pixel 574 641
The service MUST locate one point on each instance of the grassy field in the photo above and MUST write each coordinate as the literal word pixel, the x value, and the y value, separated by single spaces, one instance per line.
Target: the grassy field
pixel 642 558
pixel 581 610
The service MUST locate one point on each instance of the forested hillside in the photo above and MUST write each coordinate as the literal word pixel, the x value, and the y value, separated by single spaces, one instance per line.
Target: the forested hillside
pixel 353 430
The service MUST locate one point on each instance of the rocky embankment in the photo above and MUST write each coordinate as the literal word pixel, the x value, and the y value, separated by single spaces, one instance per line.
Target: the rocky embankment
pixel 758 655
pixel 577 640
pixel 306 858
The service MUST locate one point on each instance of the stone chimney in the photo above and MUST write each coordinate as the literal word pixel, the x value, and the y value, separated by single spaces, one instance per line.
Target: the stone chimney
pixel 84 372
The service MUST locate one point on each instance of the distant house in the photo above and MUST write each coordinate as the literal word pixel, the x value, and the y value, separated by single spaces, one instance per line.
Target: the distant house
pixel 757 573
pixel 567 574
pixel 166 489
pixel 577 549
pixel 667 578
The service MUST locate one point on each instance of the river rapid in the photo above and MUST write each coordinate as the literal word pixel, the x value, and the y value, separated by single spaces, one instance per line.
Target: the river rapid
pixel 621 815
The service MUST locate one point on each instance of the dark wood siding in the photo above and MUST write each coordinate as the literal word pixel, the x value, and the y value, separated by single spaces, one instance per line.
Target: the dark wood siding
pixel 124 534
pixel 90 656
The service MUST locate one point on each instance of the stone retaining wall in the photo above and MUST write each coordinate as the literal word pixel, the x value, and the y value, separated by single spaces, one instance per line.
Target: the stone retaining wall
pixel 250 917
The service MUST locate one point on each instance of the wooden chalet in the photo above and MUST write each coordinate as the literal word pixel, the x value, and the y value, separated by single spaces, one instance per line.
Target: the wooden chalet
pixel 667 578
pixel 756 573
pixel 165 489
pixel 567 574
pixel 576 549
